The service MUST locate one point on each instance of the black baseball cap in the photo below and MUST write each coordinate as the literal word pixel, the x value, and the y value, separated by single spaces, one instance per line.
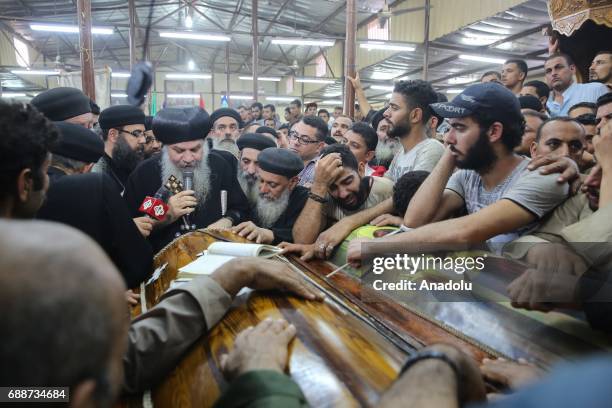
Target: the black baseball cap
pixel 492 99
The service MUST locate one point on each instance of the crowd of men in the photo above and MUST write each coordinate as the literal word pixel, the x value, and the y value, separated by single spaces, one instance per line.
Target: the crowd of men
pixel 508 164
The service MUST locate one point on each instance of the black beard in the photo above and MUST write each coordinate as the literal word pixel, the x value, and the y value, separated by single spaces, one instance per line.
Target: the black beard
pixel 124 157
pixel 362 196
pixel 479 157
pixel 400 131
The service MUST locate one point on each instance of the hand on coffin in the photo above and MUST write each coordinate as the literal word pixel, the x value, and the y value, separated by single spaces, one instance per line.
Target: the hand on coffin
pixel 306 251
pixel 263 347
pixel 252 232
pixel 551 281
pixel 512 374
pixel 330 238
pixel 263 274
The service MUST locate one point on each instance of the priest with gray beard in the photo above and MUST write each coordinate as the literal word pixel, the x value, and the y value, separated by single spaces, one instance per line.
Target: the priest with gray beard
pixel 226 125
pixel 182 131
pixel 250 145
pixel 280 200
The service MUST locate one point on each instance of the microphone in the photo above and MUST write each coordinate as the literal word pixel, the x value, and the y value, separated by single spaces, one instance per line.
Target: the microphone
pixel 188 184
pixel 155 207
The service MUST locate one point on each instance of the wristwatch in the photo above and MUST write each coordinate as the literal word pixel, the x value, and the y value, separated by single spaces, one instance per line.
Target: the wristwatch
pixel 426 355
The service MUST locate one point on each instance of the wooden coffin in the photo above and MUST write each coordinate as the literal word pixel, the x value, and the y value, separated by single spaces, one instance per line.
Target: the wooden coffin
pixel 346 353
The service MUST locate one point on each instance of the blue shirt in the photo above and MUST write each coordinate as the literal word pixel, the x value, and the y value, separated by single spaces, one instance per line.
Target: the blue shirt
pixel 576 93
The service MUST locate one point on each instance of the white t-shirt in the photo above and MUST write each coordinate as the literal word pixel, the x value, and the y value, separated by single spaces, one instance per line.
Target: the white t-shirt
pixel 424 156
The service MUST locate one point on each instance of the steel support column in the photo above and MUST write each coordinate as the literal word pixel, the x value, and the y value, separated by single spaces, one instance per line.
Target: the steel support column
pixel 227 73
pixel 132 33
pixel 426 41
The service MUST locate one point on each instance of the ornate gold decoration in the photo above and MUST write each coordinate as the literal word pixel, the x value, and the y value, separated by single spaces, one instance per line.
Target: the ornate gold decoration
pixel 568 15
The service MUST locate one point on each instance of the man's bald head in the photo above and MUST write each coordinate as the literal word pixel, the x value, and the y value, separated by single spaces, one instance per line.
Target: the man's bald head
pixel 64 312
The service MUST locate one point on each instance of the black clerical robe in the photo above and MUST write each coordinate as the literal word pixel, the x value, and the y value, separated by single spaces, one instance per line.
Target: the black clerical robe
pixel 106 165
pixel 91 203
pixel 283 226
pixel 146 180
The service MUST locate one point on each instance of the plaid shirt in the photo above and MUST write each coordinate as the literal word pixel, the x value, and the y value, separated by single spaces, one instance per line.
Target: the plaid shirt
pixel 306 176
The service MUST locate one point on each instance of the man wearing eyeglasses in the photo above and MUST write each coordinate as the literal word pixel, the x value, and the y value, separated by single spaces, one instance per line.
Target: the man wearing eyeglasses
pixel 306 138
pixel 123 131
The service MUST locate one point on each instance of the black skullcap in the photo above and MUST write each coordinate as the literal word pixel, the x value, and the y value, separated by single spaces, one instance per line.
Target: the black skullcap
pixel 177 125
pixel 255 141
pixel 266 129
pixel 95 109
pixel 148 123
pixel 221 112
pixel 530 102
pixel 61 103
pixel 283 162
pixel 121 115
pixel 78 143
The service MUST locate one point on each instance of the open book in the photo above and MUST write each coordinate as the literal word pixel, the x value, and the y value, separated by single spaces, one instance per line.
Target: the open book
pixel 219 253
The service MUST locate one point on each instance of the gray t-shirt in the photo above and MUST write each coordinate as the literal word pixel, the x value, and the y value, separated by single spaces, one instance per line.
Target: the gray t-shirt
pixel 424 156
pixel 537 193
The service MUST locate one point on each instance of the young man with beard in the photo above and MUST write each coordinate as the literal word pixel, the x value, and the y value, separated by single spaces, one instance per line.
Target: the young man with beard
pixel 152 145
pixel 307 138
pixel 341 125
pixel 91 203
pixel 226 125
pixel 250 145
pixel 409 114
pixel 387 147
pixel 503 199
pixel 280 199
pixel 601 68
pixel 559 70
pixel 123 132
pixel 182 131
pixel 66 105
pixel 336 192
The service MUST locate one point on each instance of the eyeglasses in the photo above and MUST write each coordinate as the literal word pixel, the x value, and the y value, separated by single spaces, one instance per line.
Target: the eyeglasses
pixel 149 139
pixel 135 133
pixel 301 139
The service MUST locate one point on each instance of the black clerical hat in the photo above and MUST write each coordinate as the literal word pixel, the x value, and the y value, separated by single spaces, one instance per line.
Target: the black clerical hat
pixel 266 129
pixel 61 103
pixel 121 115
pixel 78 143
pixel 177 125
pixel 221 112
pixel 280 161
pixel 255 141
